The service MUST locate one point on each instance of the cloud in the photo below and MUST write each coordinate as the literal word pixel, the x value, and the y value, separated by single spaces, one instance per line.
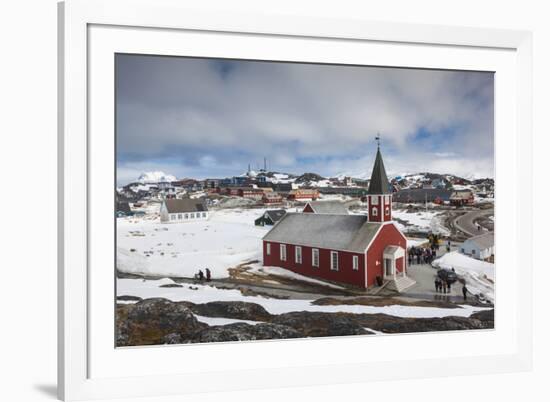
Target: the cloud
pixel 202 116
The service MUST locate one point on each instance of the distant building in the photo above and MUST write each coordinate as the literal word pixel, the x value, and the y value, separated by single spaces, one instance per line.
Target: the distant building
pixel 189 184
pixel 282 187
pixel 270 217
pixel 251 193
pixel 211 183
pixel 303 194
pixel 326 207
pixel 184 210
pixel 462 197
pixel 270 198
pixel 422 195
pixel 481 247
pixel 123 209
pixel 349 191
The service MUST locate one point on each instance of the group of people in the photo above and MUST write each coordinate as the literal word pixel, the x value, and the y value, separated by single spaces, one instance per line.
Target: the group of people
pixel 422 255
pixel 442 286
pixel 201 276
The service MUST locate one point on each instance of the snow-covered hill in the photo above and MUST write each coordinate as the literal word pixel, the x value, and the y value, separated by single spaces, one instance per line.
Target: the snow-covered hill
pixel 155 177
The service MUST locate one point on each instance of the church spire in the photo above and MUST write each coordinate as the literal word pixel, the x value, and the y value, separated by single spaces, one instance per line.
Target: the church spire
pixel 379 180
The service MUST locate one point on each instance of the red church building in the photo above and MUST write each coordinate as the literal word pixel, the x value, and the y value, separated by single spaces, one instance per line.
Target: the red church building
pixel 351 249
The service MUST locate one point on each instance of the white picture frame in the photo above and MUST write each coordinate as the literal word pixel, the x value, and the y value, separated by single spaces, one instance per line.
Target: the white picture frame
pixel 90 31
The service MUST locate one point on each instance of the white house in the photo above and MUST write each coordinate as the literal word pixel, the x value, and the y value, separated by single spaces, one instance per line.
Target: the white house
pixel 184 210
pixel 481 247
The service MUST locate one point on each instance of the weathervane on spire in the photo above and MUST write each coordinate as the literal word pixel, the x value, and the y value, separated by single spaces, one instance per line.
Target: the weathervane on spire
pixel 377 138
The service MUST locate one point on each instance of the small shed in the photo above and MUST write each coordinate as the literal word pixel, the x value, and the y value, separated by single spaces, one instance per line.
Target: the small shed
pixel 481 247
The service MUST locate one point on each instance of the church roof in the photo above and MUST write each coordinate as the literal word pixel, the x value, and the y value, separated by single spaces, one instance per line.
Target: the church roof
pixel 329 207
pixel 379 180
pixel 337 232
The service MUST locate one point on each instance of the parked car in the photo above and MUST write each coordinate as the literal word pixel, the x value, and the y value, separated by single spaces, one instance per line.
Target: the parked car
pixel 447 275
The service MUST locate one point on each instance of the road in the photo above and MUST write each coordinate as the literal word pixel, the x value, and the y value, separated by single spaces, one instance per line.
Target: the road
pixel 465 223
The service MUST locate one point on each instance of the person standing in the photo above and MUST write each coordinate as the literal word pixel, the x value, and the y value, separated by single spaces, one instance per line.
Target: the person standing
pixel 437 284
pixel 208 275
pixel 448 246
pixel 449 287
pixel 201 275
pixel 464 291
pixel 444 286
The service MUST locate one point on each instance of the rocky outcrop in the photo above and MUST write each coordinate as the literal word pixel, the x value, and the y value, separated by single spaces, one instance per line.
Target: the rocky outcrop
pixel 149 321
pixel 313 324
pixel 160 321
pixel 232 309
pixel 245 332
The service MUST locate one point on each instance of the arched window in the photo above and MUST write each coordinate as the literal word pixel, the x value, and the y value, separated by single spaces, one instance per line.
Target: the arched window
pixel 387 210
pixel 375 211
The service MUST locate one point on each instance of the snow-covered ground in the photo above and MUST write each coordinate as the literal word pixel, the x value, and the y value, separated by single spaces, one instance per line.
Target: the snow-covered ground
pixel 285 273
pixel 223 321
pixel 204 294
pixel 479 275
pixel 423 221
pixel 226 239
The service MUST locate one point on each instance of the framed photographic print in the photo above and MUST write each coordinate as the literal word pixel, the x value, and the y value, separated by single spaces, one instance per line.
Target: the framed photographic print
pixel 302 201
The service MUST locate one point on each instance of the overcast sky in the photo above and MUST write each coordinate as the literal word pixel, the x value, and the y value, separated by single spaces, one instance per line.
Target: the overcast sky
pixel 211 118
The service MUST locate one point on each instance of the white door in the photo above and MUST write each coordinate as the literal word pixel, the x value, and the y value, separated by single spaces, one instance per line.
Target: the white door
pixel 389 267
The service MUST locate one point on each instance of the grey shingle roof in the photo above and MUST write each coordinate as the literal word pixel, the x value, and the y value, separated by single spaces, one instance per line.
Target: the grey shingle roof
pixel 336 232
pixel 275 214
pixel 379 180
pixel 484 241
pixel 185 205
pixel 329 207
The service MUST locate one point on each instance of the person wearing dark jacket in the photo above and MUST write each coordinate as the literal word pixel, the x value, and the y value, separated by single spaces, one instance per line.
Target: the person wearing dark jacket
pixel 464 291
pixel 208 275
pixel 201 275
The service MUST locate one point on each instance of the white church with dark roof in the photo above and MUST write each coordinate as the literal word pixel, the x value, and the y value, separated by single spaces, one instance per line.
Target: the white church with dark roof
pixel 358 250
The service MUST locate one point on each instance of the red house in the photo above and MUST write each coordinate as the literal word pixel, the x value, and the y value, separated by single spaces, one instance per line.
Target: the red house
pixel 359 250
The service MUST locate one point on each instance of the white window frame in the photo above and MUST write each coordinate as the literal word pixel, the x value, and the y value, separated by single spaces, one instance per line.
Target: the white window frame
pixel 268 248
pixel 180 217
pixel 374 200
pixel 355 264
pixel 172 217
pixel 386 199
pixel 374 211
pixel 315 257
pixel 298 254
pixel 334 267
pixel 387 210
pixel 186 216
pixel 282 251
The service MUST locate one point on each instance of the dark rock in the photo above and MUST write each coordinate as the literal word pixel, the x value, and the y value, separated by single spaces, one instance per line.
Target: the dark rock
pixel 233 309
pixel 321 324
pixel 148 322
pixel 393 325
pixel 171 285
pixel 129 298
pixel 245 332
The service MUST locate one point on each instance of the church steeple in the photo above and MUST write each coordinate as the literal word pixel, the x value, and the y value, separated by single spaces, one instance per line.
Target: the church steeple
pixel 378 179
pixel 379 195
